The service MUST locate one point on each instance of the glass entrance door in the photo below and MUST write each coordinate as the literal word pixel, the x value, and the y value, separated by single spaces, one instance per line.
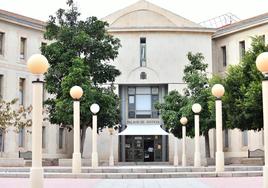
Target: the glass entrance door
pixel 148 150
pixel 143 148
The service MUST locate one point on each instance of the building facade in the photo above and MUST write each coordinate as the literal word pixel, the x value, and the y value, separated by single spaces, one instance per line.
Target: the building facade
pixel 20 37
pixel 154 43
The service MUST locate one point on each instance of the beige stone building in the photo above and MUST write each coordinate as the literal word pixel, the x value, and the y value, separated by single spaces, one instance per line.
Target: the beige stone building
pixel 154 42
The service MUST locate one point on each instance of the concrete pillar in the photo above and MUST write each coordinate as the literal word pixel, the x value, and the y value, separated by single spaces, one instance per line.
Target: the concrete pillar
pixel 36 173
pixel 219 152
pixel 183 146
pixel 11 143
pixel 51 147
pixel 212 142
pixel 197 155
pixel 76 163
pixel 94 143
pixel 255 140
pixel 265 126
pixel 111 157
pixel 176 158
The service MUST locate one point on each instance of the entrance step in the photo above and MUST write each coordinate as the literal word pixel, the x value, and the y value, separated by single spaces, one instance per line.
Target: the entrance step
pixel 143 163
pixel 138 175
pixel 130 172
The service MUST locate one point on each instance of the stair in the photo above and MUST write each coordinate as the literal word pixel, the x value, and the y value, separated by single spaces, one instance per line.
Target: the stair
pixel 136 172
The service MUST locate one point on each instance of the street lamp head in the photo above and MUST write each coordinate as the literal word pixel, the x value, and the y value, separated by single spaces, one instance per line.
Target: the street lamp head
pixel 196 108
pixel 94 108
pixel 76 92
pixel 262 62
pixel 184 121
pixel 37 64
pixel 111 130
pixel 218 90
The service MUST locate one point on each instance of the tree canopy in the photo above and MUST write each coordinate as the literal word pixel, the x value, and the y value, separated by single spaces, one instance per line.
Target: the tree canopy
pixel 10 115
pixel 197 91
pixel 243 97
pixel 80 52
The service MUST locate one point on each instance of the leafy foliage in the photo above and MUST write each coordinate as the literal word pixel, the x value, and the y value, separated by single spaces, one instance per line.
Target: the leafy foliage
pixel 11 116
pixel 172 110
pixel 243 98
pixel 175 105
pixel 197 91
pixel 79 54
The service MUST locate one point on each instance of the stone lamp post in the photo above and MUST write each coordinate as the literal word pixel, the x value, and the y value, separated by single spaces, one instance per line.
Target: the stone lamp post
pixel 183 121
pixel 94 108
pixel 111 157
pixel 37 65
pixel 176 158
pixel 218 92
pixel 76 93
pixel 197 156
pixel 262 66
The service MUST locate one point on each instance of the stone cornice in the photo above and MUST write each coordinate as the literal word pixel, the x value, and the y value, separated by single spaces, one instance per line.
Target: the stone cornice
pixel 162 29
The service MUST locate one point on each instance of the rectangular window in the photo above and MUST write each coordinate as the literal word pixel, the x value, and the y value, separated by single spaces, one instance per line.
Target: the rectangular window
pixel 143 52
pixel 226 138
pixel 2 43
pixel 245 138
pixel 155 113
pixel 61 131
pixel 242 49
pixel 143 105
pixel 224 57
pixel 1 86
pixel 21 91
pixel 43 137
pixel 21 137
pixel 141 102
pixel 23 47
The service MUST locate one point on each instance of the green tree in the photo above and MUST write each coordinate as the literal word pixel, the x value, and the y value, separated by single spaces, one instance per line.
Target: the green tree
pixel 197 91
pixel 11 116
pixel 243 98
pixel 80 53
pixel 172 110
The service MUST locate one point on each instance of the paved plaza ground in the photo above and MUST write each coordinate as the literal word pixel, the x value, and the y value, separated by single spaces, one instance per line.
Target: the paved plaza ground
pixel 239 182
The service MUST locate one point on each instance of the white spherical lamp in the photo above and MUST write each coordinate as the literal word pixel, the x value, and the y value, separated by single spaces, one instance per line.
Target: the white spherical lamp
pixel 196 108
pixel 76 92
pixel 262 62
pixel 37 64
pixel 218 90
pixel 183 120
pixel 94 108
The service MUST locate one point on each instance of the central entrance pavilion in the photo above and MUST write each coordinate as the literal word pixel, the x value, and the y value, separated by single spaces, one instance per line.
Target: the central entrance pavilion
pixel 144 143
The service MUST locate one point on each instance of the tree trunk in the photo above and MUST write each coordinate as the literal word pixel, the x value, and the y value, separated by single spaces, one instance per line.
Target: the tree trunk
pixel 207 147
pixel 83 137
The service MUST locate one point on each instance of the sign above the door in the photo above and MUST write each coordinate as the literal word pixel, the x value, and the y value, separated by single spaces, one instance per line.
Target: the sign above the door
pixel 143 121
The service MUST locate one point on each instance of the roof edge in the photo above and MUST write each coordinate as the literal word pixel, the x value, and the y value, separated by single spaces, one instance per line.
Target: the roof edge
pixel 22 20
pixel 242 25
